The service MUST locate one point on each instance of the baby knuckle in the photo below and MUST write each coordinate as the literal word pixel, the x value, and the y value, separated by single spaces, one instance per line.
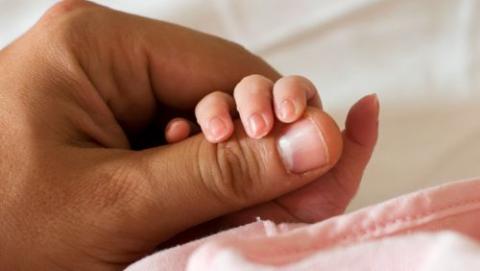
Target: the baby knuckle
pixel 256 80
pixel 220 95
pixel 296 81
pixel 253 84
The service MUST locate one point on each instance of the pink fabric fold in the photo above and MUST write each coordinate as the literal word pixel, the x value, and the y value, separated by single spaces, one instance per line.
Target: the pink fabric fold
pixel 400 234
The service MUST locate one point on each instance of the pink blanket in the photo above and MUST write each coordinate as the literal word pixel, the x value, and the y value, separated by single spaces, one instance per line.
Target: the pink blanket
pixel 433 229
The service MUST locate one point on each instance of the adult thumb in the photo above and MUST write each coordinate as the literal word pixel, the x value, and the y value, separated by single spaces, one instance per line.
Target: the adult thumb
pixel 194 181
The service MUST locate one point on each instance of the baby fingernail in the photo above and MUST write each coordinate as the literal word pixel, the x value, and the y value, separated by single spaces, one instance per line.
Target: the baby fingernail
pixel 287 110
pixel 256 125
pixel 216 128
pixel 302 147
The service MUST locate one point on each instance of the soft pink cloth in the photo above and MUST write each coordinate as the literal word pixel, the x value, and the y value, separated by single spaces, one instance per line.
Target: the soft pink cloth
pixel 428 230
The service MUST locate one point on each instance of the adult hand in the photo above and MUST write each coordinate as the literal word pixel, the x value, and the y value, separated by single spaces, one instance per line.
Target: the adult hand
pixel 86 183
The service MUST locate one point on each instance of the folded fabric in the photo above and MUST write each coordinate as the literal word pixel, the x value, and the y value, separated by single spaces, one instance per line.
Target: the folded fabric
pixel 433 229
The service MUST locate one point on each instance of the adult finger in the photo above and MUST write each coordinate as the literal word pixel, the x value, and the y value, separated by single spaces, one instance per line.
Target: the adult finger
pixel 138 65
pixel 331 194
pixel 194 181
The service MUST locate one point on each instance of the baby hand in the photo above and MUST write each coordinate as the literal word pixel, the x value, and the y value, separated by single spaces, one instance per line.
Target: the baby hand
pixel 258 101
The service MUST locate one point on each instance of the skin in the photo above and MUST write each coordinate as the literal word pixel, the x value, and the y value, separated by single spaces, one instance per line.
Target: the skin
pixel 88 99
pixel 284 100
pixel 330 194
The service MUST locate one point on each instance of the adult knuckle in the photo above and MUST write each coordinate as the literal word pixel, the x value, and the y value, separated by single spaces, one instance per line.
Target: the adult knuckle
pixel 69 27
pixel 66 7
pixel 234 181
pixel 70 18
pixel 346 183
pixel 234 174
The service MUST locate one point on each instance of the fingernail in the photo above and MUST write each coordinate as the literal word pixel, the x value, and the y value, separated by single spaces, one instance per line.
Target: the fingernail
pixel 216 128
pixel 376 102
pixel 256 125
pixel 377 106
pixel 287 110
pixel 302 147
